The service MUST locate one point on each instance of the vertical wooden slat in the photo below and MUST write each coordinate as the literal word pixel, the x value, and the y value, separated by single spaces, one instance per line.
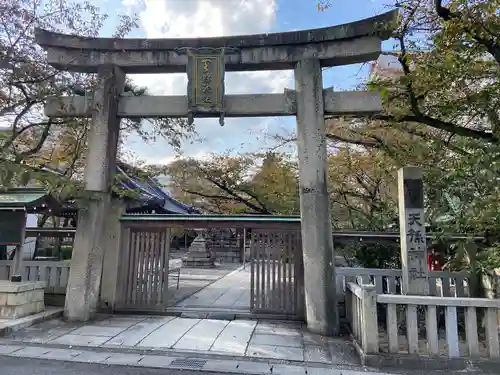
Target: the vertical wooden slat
pixel 392 328
pixel 53 276
pixel 140 268
pixel 492 329
pixel 276 255
pixel 122 267
pixel 148 269
pixel 269 251
pixel 471 331
pixel 128 266
pixel 263 264
pixel 154 270
pixel 162 283
pixel 58 276
pixel 459 286
pixel 284 273
pixel 432 329
pixel 391 285
pixel 299 266
pixel 433 286
pixel 412 328
pixel 252 272
pixel 132 278
pixel 290 283
pixel 445 285
pixel 258 244
pixel 44 275
pixel 135 268
pixel 279 289
pixel 159 271
pixel 168 238
pixel 451 323
pixel 144 269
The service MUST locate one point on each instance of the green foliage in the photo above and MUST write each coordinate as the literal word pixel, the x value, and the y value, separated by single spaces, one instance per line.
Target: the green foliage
pixel 372 255
pixel 440 89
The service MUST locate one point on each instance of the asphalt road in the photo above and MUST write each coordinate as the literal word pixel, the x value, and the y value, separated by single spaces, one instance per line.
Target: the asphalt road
pixel 25 366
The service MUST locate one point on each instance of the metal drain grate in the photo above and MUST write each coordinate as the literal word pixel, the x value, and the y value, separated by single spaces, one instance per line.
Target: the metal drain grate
pixel 188 363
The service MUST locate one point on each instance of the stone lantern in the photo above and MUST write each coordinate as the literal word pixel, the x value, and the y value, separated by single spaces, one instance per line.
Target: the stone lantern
pixel 198 255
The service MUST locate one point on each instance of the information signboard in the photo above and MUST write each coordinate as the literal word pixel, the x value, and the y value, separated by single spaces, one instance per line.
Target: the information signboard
pixel 12 224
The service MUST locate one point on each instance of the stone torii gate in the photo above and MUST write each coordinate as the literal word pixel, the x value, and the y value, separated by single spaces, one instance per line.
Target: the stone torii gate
pixel 205 60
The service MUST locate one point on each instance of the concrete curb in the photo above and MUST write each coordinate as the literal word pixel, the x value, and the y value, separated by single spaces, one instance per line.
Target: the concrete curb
pixel 172 353
pixel 172 362
pixel 18 324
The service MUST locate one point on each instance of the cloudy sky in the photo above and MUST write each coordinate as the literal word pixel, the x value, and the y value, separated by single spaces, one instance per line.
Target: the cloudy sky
pixel 208 18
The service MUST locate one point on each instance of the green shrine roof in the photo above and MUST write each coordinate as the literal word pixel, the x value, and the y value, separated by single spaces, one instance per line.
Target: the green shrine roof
pixel 24 198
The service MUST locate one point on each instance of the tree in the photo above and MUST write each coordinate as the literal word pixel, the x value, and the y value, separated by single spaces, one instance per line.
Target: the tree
pixel 449 67
pixel 363 188
pixel 265 184
pixel 26 81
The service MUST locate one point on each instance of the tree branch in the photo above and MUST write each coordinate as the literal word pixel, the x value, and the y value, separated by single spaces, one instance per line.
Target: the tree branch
pixel 231 192
pixel 492 46
pixel 443 125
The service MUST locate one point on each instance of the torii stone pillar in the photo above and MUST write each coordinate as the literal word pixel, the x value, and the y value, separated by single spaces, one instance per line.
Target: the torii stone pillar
pixel 317 241
pixel 82 293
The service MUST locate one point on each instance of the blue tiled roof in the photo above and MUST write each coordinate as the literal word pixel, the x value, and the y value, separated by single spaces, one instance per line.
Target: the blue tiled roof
pixel 148 192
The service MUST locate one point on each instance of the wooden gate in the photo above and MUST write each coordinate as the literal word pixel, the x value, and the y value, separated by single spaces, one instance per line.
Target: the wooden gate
pixel 277 272
pixel 143 271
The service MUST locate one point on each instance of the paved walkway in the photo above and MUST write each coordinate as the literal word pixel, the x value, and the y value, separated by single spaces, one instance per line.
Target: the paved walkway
pixel 242 338
pixel 232 291
pixel 193 280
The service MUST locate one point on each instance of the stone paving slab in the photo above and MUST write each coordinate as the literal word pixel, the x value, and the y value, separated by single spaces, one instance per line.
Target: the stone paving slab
pixel 95 330
pixel 235 337
pixel 202 336
pixel 168 334
pixel 137 332
pixel 77 340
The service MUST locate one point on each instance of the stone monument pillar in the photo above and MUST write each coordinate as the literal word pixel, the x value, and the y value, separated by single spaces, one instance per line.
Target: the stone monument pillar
pixel 198 256
pixel 317 242
pixel 82 293
pixel 412 230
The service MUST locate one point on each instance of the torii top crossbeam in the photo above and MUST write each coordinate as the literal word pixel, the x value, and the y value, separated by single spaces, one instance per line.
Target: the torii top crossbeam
pixel 336 45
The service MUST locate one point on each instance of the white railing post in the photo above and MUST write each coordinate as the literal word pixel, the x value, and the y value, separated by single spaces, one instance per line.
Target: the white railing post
pixel 369 323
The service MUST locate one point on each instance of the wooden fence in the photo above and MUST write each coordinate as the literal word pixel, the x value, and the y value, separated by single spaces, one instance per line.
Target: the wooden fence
pixel 56 274
pixel 388 281
pixel 422 325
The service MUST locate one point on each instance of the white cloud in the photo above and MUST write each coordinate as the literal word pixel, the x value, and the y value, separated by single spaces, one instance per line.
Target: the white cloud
pixel 208 18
